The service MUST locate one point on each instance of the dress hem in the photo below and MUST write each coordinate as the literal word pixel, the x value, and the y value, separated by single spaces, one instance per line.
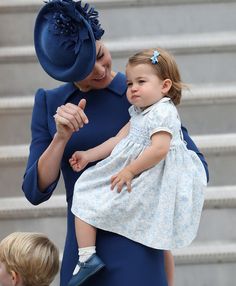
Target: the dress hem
pixel 113 230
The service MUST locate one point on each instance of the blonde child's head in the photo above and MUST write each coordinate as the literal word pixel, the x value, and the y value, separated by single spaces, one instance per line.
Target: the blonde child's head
pixel 165 68
pixel 32 256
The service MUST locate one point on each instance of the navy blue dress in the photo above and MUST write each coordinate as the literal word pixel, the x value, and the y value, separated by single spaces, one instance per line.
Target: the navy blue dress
pixel 127 262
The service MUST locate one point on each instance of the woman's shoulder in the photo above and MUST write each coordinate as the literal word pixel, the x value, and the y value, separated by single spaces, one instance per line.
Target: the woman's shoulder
pixel 56 96
pixel 62 91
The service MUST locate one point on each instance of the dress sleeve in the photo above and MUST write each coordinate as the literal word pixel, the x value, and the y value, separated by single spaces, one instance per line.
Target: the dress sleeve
pixel 41 138
pixel 191 146
pixel 160 118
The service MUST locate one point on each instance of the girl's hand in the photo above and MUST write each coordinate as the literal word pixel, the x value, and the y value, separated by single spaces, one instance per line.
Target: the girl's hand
pixel 124 177
pixel 70 118
pixel 79 160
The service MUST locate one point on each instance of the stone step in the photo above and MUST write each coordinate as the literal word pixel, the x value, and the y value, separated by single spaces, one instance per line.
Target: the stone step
pixel 204 264
pixel 192 51
pixel 15 117
pixel 219 150
pixel 17 213
pixel 13 159
pixel 199 104
pixel 220 207
pixel 26 74
pixel 17 18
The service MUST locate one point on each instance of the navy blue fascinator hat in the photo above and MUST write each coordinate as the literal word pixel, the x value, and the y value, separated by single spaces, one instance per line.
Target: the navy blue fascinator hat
pixel 65 37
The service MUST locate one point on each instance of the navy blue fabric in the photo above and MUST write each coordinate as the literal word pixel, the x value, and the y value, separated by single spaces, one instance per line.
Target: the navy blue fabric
pixel 65 40
pixel 127 262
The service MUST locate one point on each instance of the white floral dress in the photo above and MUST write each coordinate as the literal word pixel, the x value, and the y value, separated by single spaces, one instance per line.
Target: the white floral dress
pixel 164 208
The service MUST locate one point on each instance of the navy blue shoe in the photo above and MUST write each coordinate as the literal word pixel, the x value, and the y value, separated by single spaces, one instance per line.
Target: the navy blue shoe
pixel 87 269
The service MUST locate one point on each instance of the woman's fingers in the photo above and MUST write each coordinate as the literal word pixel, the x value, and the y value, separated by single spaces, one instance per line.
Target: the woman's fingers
pixel 82 103
pixel 72 114
pixel 69 115
pixel 78 110
pixel 63 121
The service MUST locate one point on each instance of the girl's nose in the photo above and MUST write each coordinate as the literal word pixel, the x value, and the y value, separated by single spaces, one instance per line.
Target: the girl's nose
pixel 134 88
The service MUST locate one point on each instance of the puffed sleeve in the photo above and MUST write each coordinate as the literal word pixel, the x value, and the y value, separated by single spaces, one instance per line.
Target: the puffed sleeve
pixel 160 118
pixel 41 138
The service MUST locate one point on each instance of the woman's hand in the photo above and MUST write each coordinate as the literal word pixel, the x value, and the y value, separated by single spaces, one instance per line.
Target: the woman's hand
pixel 79 160
pixel 124 177
pixel 70 118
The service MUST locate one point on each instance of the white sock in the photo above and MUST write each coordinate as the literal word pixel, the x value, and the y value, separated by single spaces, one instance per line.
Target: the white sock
pixel 84 254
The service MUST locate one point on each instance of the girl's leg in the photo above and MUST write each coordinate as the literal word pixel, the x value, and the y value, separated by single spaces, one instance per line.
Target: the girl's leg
pixel 169 267
pixel 86 238
pixel 89 263
pixel 85 233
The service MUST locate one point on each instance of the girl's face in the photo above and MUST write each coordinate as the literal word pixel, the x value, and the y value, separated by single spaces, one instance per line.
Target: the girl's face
pixel 144 86
pixel 5 277
pixel 101 75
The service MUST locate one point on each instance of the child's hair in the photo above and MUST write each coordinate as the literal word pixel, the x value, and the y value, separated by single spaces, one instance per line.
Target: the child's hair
pixel 165 68
pixel 32 255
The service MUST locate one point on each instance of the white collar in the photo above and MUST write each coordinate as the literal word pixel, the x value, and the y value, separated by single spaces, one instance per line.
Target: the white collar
pixel 147 109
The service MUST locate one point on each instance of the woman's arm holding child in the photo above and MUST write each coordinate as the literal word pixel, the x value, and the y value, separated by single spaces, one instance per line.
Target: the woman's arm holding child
pixel 151 156
pixel 80 159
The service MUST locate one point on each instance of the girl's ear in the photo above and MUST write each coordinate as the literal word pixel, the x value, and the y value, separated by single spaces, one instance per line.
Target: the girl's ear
pixel 166 85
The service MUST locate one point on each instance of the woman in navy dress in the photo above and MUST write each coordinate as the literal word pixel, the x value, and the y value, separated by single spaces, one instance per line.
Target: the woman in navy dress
pixel 87 110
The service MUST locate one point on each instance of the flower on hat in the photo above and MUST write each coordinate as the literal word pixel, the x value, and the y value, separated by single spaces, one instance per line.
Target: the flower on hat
pixel 91 15
pixel 66 21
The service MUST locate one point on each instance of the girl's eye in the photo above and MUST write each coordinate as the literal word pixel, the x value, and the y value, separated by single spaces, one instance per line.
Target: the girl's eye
pixel 141 81
pixel 129 84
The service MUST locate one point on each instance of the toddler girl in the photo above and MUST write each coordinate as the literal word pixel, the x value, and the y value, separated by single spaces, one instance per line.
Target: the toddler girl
pixel 150 186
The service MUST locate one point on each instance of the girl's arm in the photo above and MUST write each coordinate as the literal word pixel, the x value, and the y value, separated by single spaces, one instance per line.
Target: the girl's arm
pixel 104 150
pixel 152 155
pixel 80 159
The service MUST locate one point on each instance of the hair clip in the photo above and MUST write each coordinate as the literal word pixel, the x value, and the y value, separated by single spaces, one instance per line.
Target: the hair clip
pixel 155 56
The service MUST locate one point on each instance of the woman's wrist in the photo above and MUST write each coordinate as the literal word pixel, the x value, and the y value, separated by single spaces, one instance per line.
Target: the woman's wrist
pixel 49 162
pixel 62 140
